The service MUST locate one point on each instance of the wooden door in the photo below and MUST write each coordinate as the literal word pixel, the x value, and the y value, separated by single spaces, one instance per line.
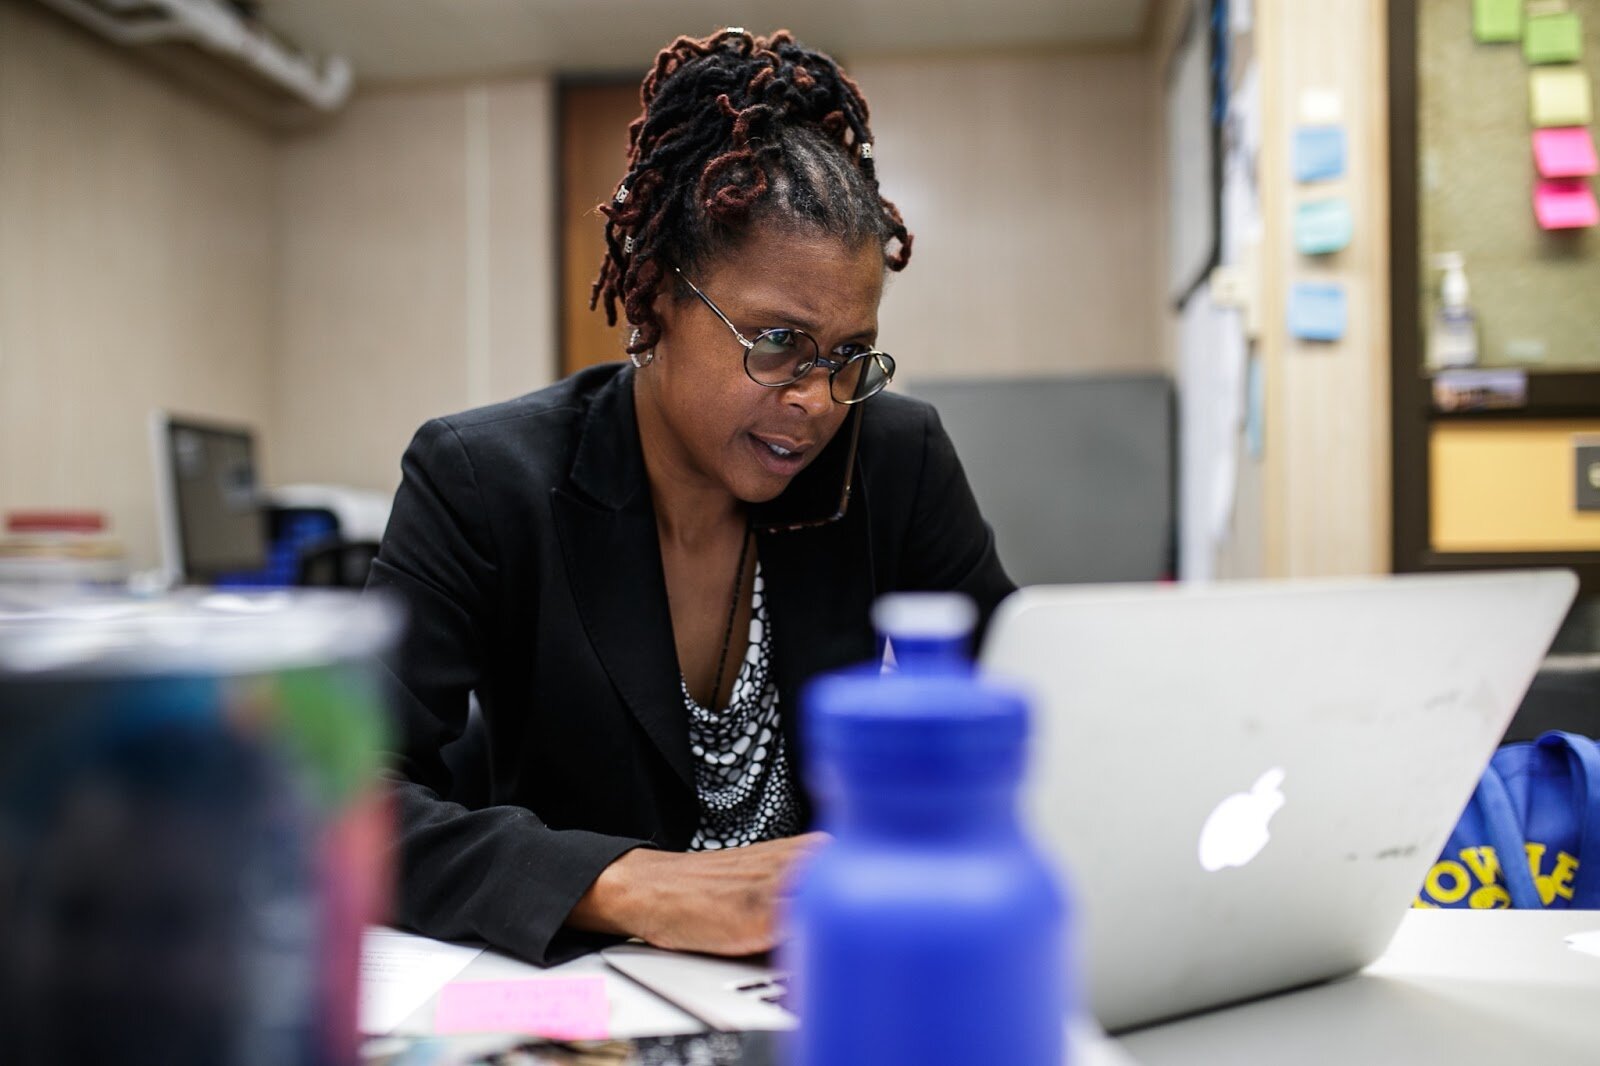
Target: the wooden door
pixel 594 144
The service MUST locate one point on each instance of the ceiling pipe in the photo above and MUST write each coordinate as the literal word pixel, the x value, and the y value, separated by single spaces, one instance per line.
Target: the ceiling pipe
pixel 212 25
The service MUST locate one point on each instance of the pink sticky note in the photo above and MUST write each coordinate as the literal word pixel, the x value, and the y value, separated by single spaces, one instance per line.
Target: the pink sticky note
pixel 562 1008
pixel 1565 152
pixel 1565 203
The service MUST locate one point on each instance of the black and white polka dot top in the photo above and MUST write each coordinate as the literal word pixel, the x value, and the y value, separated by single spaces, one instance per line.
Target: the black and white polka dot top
pixel 741 767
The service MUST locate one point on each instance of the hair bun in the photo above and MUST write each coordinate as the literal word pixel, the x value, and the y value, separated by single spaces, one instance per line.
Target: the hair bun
pixel 734 127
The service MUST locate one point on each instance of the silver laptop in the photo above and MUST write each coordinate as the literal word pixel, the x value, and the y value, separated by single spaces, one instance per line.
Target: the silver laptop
pixel 1246 783
pixel 747 994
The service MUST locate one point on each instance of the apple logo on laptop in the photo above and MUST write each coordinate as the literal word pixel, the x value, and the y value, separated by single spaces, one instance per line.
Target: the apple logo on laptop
pixel 1236 831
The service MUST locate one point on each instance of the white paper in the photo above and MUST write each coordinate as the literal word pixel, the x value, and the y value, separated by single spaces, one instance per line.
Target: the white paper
pixel 1321 107
pixel 1227 393
pixel 1588 943
pixel 1241 197
pixel 1212 354
pixel 1241 17
pixel 400 972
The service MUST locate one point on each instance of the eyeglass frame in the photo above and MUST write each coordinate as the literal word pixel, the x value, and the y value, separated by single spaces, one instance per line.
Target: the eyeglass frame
pixel 833 366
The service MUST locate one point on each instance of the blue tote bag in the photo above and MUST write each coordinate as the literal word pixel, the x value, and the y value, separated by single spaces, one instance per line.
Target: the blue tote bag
pixel 1540 802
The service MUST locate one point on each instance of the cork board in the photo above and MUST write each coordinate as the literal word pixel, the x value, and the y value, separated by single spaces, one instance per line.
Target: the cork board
pixel 1536 293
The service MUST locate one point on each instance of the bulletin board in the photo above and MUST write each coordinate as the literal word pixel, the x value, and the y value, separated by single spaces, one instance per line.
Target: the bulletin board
pixel 1536 293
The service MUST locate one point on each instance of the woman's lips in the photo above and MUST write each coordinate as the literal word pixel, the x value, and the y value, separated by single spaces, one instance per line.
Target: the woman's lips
pixel 779 455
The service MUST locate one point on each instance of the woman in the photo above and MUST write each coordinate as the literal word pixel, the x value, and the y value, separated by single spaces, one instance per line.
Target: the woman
pixel 589 559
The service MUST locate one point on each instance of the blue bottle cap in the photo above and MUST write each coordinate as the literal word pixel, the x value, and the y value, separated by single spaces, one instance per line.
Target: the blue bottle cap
pixel 928 631
pixel 956 728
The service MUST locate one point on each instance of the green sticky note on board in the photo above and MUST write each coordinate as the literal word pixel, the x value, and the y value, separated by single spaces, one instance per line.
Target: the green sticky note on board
pixel 1323 226
pixel 1559 96
pixel 1494 21
pixel 1556 38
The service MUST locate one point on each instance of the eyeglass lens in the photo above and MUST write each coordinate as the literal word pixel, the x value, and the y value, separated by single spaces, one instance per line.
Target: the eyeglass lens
pixel 782 356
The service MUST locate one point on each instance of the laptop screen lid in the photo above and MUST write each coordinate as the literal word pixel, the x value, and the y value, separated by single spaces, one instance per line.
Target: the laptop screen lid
pixel 1247 782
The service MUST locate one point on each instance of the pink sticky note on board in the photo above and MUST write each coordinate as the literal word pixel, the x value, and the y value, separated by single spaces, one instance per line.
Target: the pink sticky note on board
pixel 1565 203
pixel 562 1008
pixel 1565 152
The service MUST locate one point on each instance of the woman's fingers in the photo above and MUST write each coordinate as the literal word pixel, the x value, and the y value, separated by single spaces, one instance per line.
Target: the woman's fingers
pixel 720 902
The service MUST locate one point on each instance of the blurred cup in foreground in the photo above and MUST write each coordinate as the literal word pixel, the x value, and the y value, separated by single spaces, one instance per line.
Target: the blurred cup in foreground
pixel 192 826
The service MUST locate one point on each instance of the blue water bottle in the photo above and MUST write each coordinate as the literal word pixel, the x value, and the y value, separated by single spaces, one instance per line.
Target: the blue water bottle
pixel 929 931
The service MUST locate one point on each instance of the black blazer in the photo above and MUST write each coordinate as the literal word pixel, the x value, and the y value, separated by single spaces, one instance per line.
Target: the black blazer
pixel 523 546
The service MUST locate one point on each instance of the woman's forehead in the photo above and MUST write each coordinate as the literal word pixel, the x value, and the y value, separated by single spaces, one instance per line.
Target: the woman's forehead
pixel 816 276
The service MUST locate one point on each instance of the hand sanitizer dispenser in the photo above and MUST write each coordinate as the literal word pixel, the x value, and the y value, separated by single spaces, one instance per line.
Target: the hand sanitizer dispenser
pixel 1453 333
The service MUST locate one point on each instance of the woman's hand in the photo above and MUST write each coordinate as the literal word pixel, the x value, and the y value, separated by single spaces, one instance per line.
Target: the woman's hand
pixel 720 902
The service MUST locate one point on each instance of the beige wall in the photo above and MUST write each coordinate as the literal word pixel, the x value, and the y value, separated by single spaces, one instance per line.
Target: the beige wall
pixel 137 269
pixel 418 272
pixel 331 290
pixel 1031 185
pixel 336 287
pixel 419 235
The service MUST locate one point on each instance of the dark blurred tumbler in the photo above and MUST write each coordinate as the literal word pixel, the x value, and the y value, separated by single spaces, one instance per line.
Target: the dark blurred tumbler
pixel 192 827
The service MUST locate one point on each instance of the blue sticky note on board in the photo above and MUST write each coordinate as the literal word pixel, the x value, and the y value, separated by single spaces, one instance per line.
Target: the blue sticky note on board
pixel 1323 226
pixel 1319 153
pixel 1317 311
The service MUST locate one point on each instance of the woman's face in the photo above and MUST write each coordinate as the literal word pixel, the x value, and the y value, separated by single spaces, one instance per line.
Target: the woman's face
pixel 725 429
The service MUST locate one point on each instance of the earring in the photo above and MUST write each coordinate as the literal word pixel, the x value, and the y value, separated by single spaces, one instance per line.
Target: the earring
pixel 640 360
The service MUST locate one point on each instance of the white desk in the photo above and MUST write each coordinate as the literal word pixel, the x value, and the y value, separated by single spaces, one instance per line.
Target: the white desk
pixel 1455 987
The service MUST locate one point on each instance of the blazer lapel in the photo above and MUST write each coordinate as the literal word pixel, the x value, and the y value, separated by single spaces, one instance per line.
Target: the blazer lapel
pixel 613 559
pixel 820 581
pixel 820 588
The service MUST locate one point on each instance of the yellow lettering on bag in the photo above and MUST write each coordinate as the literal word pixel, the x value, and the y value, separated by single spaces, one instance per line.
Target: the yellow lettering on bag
pixel 1475 879
pixel 1460 882
pixel 1559 883
pixel 1485 867
pixel 1490 898
pixel 1483 862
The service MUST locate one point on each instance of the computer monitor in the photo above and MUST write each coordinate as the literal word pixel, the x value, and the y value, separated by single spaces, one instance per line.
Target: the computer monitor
pixel 209 503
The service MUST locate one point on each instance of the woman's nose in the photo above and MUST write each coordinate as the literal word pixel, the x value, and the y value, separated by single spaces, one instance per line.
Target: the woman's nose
pixel 811 392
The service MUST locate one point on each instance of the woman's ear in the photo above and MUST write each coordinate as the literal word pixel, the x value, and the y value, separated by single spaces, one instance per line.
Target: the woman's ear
pixel 668 309
pixel 665 305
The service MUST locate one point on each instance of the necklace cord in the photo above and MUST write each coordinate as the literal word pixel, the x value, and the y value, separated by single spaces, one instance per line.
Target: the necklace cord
pixel 733 614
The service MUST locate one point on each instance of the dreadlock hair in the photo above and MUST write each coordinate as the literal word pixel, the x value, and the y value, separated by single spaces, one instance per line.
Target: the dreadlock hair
pixel 737 130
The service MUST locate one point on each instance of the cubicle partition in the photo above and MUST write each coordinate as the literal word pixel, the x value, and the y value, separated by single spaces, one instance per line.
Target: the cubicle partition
pixel 1077 474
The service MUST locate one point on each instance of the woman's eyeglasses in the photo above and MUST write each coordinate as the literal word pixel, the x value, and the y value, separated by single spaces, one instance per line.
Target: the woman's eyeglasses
pixel 782 356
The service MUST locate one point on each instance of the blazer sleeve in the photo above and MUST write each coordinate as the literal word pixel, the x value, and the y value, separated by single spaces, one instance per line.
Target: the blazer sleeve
pixel 949 547
pixel 497 874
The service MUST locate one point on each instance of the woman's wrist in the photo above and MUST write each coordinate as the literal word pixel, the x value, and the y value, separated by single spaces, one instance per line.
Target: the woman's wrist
pixel 611 903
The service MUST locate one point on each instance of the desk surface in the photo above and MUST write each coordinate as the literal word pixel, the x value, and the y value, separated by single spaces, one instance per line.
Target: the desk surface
pixel 1463 987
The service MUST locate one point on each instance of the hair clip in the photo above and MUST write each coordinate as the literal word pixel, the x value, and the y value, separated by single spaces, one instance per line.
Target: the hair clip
pixel 622 195
pixel 627 246
pixel 735 29
pixel 866 149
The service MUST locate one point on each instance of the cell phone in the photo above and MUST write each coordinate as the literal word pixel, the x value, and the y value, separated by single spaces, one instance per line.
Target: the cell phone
pixel 820 493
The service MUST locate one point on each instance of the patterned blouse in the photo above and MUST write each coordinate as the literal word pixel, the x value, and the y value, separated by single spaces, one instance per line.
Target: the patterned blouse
pixel 741 767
